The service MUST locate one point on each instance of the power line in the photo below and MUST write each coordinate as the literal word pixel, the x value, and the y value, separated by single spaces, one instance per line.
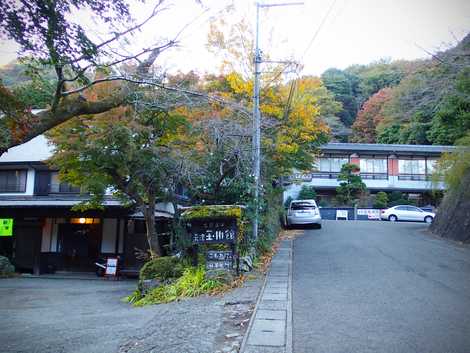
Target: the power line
pixel 318 29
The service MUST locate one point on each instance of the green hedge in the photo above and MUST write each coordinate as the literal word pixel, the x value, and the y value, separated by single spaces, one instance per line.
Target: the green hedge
pixel 162 268
pixel 6 268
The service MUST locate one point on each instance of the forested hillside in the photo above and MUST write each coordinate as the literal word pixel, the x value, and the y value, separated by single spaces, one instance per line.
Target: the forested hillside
pixel 416 102
pixel 411 102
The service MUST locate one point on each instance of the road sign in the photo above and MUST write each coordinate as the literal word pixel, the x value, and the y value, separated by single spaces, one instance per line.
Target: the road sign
pixel 6 227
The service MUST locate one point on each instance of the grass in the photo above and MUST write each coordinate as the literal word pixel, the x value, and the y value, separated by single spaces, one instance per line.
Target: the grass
pixel 192 283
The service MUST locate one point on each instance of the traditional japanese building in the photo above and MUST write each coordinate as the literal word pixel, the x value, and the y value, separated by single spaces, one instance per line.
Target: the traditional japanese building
pixel 404 168
pixel 47 235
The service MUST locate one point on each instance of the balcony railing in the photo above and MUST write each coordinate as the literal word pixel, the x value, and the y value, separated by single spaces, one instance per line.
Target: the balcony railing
pixel 63 188
pixel 414 177
pixel 325 175
pixel 374 176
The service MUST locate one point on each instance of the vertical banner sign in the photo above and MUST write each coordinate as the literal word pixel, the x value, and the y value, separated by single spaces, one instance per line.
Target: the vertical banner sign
pixel 6 227
pixel 216 231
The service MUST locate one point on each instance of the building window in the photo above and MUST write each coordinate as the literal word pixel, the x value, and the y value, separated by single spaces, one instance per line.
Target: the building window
pixel 58 186
pixel 412 169
pixel 430 166
pixel 13 180
pixel 372 165
pixel 332 164
pixel 374 168
pixel 412 166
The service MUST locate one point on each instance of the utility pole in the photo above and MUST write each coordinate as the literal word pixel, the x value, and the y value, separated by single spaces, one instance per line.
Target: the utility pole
pixel 256 140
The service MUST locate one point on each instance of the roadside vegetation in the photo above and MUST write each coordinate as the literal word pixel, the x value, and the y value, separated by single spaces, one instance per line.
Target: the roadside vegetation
pixel 453 219
pixel 6 268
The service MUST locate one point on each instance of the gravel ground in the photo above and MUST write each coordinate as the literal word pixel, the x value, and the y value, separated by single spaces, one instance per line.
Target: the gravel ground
pixel 84 316
pixel 380 287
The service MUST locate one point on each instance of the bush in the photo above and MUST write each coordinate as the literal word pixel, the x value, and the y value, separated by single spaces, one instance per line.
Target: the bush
pixel 192 283
pixel 162 269
pixel 6 268
pixel 323 203
pixel 307 193
pixel 381 200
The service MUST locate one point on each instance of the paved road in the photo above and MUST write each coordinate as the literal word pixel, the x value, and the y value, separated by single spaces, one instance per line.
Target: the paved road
pixel 84 316
pixel 380 287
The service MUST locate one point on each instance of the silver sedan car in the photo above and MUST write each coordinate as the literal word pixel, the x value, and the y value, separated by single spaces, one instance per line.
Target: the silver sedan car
pixel 407 213
pixel 303 212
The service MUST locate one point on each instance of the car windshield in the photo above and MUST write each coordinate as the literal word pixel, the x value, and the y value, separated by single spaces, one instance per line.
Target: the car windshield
pixel 302 206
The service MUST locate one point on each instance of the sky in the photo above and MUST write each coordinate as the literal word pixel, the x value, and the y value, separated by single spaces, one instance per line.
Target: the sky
pixel 354 32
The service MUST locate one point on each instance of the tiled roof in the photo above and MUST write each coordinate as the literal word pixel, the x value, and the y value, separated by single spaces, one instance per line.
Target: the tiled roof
pixel 375 147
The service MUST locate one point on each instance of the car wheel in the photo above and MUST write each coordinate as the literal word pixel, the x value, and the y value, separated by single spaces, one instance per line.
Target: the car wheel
pixel 318 226
pixel 428 219
pixel 392 218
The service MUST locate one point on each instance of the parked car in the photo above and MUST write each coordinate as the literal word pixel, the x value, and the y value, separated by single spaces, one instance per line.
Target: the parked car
pixel 303 212
pixel 407 213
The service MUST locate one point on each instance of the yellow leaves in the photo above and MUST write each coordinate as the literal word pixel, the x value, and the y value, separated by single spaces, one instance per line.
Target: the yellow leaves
pixel 238 85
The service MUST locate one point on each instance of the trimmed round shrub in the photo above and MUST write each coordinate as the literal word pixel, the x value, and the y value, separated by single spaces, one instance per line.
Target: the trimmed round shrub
pixel 6 268
pixel 162 269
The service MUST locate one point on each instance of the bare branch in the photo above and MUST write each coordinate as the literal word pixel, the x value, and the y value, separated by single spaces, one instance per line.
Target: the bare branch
pixel 155 11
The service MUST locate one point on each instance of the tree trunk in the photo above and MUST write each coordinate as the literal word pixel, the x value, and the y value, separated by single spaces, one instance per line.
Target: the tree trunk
pixel 152 236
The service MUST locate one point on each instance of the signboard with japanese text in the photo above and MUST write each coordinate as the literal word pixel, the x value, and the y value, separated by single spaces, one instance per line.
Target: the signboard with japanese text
pixel 369 212
pixel 213 231
pixel 219 260
pixel 219 265
pixel 6 227
pixel 111 266
pixel 219 255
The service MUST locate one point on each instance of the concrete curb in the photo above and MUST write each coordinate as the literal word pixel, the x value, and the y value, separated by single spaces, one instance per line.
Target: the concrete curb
pixel 253 315
pixel 272 304
pixel 289 332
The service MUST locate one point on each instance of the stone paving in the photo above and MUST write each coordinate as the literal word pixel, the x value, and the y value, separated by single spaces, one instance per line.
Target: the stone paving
pixel 271 328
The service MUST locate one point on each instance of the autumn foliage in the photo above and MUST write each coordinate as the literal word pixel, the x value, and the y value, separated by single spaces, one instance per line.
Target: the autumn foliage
pixel 370 116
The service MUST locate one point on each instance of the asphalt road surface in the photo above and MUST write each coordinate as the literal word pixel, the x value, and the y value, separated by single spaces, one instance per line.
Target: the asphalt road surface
pixel 380 287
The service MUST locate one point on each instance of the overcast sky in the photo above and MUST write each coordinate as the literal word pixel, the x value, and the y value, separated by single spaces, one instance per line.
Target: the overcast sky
pixel 355 32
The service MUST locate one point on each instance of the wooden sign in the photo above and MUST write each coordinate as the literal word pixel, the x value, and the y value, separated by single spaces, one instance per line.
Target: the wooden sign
pixel 219 260
pixel 219 255
pixel 111 266
pixel 219 265
pixel 213 231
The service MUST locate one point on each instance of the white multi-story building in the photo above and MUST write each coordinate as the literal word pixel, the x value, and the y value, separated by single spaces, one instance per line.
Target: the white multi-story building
pixel 404 168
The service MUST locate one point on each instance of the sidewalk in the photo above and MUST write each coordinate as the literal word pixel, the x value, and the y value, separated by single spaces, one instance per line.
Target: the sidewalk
pixel 271 328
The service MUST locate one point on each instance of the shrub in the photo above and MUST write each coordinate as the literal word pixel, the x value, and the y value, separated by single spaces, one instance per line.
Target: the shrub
pixel 6 268
pixel 162 268
pixel 192 283
pixel 381 200
pixel 323 203
pixel 307 193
